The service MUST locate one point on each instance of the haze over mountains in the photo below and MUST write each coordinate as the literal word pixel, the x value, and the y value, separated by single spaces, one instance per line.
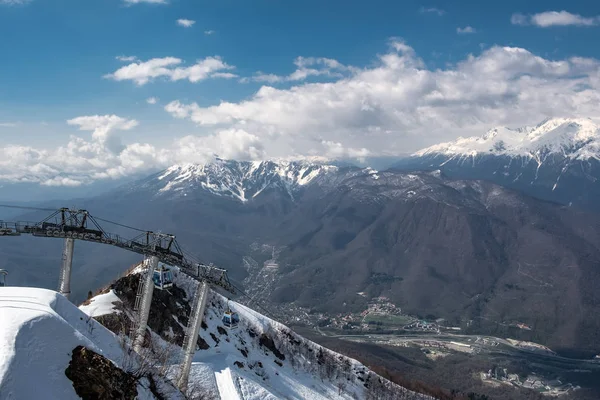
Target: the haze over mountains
pixel 456 249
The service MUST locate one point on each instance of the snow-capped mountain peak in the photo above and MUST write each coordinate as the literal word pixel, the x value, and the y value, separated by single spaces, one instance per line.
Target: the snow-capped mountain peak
pixel 241 180
pixel 575 138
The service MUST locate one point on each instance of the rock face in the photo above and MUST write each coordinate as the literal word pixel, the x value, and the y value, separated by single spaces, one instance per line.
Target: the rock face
pixel 96 378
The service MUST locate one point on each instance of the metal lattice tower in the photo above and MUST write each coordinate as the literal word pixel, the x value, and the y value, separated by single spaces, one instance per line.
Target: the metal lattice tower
pixel 145 303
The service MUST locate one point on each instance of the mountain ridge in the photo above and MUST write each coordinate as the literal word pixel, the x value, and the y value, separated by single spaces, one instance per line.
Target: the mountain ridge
pixel 557 160
pixel 575 138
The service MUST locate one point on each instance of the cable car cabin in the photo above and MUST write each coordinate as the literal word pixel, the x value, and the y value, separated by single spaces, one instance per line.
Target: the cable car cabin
pixel 163 278
pixel 230 319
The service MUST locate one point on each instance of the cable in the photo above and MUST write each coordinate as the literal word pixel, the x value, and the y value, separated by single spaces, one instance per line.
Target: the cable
pixel 27 208
pixel 118 224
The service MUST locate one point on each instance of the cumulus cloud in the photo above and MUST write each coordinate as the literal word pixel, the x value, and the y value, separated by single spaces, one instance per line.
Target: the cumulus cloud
pixel 393 106
pixel 103 128
pixel 82 161
pixel 209 32
pixel 432 10
pixel 399 104
pixel 143 72
pixel 152 100
pixel 465 30
pixel 186 23
pixel 554 18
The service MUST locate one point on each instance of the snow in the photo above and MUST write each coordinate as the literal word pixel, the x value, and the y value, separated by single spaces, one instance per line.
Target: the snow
pixel 260 377
pixel 241 180
pixel 575 138
pixel 101 304
pixel 39 330
pixel 225 382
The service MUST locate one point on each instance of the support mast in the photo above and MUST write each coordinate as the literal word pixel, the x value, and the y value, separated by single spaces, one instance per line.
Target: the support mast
pixel 191 335
pixel 64 284
pixel 146 302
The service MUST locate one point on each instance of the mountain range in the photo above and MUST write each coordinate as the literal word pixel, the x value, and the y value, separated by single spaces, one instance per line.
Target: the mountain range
pixel 557 160
pixel 476 253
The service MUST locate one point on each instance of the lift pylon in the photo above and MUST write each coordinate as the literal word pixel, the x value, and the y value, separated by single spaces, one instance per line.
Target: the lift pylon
pixel 191 335
pixel 64 284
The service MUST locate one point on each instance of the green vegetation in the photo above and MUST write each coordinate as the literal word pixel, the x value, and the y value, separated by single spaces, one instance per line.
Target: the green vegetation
pixel 388 320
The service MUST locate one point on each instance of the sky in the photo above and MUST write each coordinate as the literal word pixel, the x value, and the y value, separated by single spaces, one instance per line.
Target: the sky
pixel 105 89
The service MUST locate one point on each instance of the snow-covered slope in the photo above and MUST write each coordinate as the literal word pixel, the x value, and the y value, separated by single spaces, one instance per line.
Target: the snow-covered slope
pixel 39 329
pixel 576 138
pixel 262 359
pixel 241 180
pixel 557 160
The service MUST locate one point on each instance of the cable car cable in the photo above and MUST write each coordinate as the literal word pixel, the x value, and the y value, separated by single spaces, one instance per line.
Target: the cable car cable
pixel 27 207
pixel 119 224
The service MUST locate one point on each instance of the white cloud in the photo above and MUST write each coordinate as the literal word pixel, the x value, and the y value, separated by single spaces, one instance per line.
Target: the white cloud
pixel 152 100
pixel 393 106
pixel 82 161
pixel 126 58
pixel 305 67
pixel 554 18
pixel 144 71
pixel 465 30
pixel 209 32
pixel 399 105
pixel 186 23
pixel 103 127
pixel 146 1
pixel 432 10
pixel 14 2
pixel 335 150
pixel 519 19
pixel 8 124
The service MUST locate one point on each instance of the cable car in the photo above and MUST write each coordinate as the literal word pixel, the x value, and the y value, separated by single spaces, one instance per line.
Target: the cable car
pixel 162 277
pixel 230 319
pixel 3 274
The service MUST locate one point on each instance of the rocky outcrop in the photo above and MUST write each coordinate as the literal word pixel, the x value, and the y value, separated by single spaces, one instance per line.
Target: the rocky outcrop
pixel 95 377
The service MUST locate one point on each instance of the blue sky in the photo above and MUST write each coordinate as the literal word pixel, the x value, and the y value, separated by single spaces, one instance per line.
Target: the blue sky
pixel 58 55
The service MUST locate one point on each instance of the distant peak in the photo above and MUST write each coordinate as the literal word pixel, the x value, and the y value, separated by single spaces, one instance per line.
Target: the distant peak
pixel 570 137
pixel 241 180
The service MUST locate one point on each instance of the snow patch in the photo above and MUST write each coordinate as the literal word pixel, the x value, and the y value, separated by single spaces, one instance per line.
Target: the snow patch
pixel 101 305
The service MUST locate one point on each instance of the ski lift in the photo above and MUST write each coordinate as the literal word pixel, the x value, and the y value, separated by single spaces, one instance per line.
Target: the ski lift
pixel 231 319
pixel 3 274
pixel 162 277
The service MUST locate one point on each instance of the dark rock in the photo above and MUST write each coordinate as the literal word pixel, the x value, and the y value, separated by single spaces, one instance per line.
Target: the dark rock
pixel 221 330
pixel 201 344
pixel 267 342
pixel 239 364
pixel 95 377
